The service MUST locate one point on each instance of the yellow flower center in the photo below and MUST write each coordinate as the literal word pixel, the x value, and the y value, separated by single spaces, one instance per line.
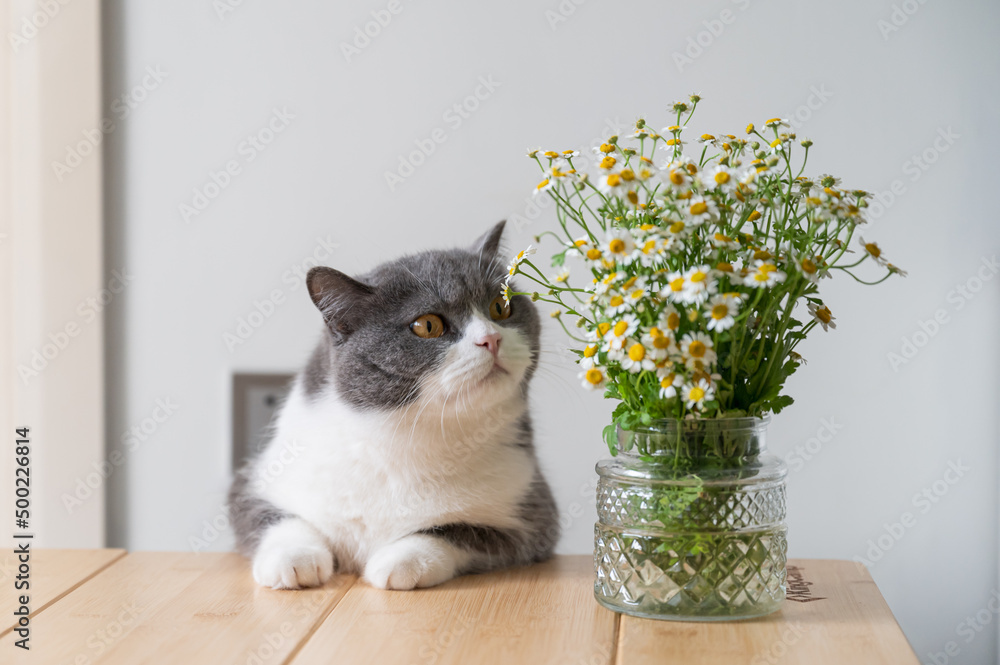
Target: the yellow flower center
pixel 667 381
pixel 637 352
pixel 593 253
pixel 590 351
pixel 808 266
pixel 698 277
pixel 627 175
pixel 649 247
pixel 696 349
pixel 699 208
pixel 768 267
pixel 603 328
pixel 873 249
pixel 824 314
pixel 721 178
pixel 637 294
pixel 676 227
pixel 676 177
pixel 608 162
pixel 775 143
pixel 614 180
pixel 677 284
pixel 696 394
pixel 762 255
pixel 543 184
pixel 754 216
pixel 617 301
pixel 617 246
pixel 661 342
pixel 629 282
pixel 607 147
pixel 594 376
pixel 720 312
pixel 724 267
pixel 633 198
pixel 760 276
pixel 707 137
pixel 673 320
pixel 620 328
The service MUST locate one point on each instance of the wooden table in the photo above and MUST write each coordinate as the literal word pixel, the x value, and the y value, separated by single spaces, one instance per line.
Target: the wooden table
pixel 106 606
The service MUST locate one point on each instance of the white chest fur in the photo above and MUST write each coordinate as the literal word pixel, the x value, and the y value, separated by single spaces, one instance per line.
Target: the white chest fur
pixel 367 479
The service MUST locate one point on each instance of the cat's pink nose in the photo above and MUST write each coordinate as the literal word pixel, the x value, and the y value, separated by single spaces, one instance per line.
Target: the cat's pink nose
pixel 490 341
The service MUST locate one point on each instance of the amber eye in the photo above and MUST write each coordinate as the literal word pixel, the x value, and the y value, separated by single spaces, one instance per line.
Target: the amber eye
pixel 499 309
pixel 428 326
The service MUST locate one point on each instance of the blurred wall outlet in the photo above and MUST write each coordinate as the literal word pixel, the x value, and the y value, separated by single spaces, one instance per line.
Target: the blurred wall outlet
pixel 256 398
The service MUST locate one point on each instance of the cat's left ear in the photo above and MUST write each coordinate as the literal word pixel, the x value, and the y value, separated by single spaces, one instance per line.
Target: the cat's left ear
pixel 489 243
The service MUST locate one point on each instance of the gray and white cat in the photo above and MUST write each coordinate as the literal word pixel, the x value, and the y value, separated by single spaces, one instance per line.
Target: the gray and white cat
pixel 404 452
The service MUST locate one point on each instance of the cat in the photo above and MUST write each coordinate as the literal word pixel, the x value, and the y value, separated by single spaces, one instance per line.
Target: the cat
pixel 404 452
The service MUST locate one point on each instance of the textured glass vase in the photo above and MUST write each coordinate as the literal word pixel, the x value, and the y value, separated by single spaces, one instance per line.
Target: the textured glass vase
pixel 691 522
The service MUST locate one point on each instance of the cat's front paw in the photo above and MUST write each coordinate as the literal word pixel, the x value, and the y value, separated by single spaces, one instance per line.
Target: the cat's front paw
pixel 414 561
pixel 292 566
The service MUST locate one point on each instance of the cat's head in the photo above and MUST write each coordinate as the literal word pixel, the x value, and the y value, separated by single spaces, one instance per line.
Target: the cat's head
pixel 429 327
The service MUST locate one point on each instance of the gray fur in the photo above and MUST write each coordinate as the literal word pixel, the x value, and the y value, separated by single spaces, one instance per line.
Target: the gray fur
pixel 249 514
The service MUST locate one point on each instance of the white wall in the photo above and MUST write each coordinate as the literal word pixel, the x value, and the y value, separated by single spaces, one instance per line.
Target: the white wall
pixel 885 98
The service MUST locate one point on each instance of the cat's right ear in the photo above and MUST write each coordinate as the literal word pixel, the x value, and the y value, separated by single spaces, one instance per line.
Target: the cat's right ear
pixel 339 298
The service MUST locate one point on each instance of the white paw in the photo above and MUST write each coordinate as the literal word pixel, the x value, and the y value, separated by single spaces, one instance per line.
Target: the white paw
pixel 414 561
pixel 292 566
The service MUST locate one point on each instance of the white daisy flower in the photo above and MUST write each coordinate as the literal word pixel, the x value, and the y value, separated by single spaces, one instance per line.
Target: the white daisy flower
pixel 593 378
pixel 589 358
pixel 811 269
pixel 696 347
pixel 561 277
pixel 659 344
pixel 700 209
pixel 670 319
pixel 617 303
pixel 698 285
pixel 637 358
pixel 696 394
pixel 823 315
pixel 721 312
pixel 722 241
pixel 764 274
pixel 620 331
pixel 720 178
pixel 669 383
pixel 619 245
pixel 521 256
pixel 674 287
pixel 874 251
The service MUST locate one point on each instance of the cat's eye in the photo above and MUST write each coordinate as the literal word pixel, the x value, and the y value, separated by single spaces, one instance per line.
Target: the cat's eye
pixel 428 326
pixel 499 309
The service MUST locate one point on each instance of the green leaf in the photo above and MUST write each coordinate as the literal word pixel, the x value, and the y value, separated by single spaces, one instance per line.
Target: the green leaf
pixel 610 434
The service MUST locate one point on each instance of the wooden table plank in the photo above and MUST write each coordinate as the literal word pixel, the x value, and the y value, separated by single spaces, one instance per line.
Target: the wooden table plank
pixel 154 607
pixel 53 574
pixel 539 614
pixel 838 617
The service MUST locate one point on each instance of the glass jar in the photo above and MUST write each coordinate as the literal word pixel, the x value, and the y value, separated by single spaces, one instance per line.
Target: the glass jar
pixel 691 522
